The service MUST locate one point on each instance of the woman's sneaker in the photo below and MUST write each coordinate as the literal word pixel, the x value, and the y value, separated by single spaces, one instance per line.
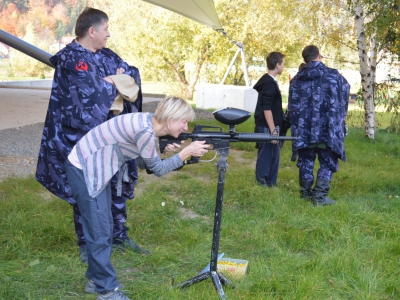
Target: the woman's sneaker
pixel 91 287
pixel 113 295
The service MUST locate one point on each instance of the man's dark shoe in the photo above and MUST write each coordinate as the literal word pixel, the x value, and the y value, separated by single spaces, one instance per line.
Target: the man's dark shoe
pixel 305 190
pixel 261 183
pixel 83 254
pixel 264 184
pixel 327 201
pixel 120 244
pixel 320 193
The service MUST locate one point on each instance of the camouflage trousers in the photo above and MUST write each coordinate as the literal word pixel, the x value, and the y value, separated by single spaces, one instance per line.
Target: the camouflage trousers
pixel 118 210
pixel 328 163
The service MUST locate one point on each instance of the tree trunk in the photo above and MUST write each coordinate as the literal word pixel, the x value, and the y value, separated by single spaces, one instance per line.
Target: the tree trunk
pixel 366 72
pixel 186 87
pixel 196 74
pixel 372 64
pixel 372 61
pixel 179 72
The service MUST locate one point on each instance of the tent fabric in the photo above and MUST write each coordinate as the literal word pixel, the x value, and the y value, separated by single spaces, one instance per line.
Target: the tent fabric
pixel 202 11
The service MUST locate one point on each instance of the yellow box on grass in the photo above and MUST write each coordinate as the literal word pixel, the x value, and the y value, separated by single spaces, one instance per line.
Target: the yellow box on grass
pixel 233 267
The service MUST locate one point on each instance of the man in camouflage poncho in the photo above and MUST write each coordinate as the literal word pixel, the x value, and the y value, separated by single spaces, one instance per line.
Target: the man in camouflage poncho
pixel 81 97
pixel 318 102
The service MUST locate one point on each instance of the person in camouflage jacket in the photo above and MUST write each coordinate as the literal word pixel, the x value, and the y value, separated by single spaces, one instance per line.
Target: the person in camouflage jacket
pixel 318 103
pixel 80 100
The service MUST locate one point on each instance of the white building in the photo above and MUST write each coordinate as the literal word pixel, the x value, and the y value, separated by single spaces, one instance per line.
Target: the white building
pixel 65 40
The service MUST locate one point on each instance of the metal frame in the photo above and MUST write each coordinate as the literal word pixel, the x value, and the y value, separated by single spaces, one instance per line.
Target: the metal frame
pixel 244 65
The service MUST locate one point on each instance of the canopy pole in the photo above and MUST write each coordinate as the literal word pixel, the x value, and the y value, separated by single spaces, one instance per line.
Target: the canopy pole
pixel 230 67
pixel 244 65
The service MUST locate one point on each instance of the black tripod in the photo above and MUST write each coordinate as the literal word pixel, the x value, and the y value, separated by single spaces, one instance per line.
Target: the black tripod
pixel 218 278
pixel 220 141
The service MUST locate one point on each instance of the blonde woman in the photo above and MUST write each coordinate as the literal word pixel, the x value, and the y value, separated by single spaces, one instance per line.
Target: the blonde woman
pixel 100 154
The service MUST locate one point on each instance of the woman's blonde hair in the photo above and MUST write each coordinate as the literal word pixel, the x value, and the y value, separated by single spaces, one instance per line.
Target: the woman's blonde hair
pixel 174 108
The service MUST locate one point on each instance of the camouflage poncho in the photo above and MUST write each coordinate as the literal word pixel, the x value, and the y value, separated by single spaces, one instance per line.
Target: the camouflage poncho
pixel 318 102
pixel 80 100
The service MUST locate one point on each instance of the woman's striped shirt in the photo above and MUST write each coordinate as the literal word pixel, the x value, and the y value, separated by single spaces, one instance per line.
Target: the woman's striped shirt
pixel 105 149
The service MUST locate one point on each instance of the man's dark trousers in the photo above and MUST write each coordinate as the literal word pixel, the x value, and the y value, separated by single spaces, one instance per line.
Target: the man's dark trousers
pixel 267 164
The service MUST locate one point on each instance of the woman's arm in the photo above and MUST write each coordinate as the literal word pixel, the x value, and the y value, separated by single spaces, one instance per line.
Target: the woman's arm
pixel 160 167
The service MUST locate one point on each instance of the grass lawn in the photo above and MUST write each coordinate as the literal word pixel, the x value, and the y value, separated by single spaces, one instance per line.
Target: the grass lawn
pixel 295 251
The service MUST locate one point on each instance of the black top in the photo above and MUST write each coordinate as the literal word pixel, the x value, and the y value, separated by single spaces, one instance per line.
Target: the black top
pixel 269 98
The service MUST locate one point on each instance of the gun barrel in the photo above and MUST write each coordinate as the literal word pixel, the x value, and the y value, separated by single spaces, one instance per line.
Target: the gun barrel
pixel 260 137
pixel 220 139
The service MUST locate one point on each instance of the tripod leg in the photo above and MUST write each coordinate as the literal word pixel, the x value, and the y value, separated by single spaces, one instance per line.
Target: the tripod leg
pixel 222 168
pixel 225 281
pixel 193 280
pixel 215 276
pixel 217 285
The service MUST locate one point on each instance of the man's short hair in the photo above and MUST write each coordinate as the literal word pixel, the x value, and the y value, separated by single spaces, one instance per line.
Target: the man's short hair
pixel 89 17
pixel 310 53
pixel 274 58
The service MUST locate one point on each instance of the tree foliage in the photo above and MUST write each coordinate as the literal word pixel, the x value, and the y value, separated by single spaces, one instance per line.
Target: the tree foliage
pixel 367 23
pixel 163 43
pixel 174 49
pixel 39 22
pixel 10 18
pixel 49 18
pixel 21 63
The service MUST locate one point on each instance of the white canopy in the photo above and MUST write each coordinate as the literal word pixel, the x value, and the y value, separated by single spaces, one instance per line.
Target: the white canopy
pixel 202 11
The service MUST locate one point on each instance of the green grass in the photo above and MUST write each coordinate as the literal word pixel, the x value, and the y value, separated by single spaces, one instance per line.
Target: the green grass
pixel 295 251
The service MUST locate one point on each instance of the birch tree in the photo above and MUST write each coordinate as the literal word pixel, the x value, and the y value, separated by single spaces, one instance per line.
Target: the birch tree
pixel 370 19
pixel 345 25
pixel 366 69
pixel 374 21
